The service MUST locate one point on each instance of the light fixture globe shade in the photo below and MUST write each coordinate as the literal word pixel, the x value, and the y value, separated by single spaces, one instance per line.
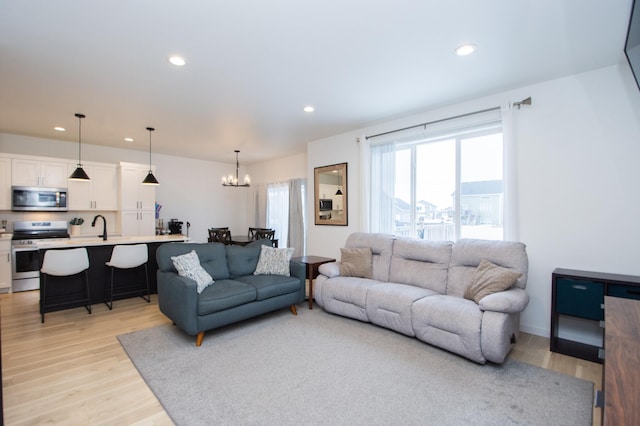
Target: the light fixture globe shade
pixel 79 174
pixel 150 179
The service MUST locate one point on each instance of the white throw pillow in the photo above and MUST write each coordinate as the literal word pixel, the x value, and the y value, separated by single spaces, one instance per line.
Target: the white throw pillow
pixel 188 265
pixel 274 261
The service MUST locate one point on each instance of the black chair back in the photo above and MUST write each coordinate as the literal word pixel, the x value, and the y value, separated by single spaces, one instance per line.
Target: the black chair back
pixel 265 233
pixel 219 235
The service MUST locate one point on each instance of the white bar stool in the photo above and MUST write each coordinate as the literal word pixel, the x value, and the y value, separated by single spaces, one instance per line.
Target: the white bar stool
pixel 128 257
pixel 64 263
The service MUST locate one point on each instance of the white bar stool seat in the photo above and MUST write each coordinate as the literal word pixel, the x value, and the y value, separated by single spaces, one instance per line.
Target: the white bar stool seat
pixel 128 256
pixel 64 263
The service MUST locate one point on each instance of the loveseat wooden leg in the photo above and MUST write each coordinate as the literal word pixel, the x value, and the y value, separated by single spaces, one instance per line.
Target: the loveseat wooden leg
pixel 294 311
pixel 199 338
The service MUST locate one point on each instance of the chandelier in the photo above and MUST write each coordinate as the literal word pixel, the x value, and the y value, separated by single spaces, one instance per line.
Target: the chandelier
pixel 233 180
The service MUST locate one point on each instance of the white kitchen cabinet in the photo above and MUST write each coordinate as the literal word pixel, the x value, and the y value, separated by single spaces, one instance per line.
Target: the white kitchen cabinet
pixel 5 265
pixel 5 184
pixel 133 194
pixel 99 193
pixel 137 201
pixel 35 172
pixel 137 223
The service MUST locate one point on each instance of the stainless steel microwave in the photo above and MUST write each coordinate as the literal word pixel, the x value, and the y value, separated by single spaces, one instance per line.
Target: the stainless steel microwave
pixel 37 199
pixel 325 205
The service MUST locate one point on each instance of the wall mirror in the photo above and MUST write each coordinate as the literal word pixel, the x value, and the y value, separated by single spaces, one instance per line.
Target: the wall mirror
pixel 331 194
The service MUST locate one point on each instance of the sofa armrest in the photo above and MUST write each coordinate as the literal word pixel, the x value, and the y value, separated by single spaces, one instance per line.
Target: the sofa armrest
pixel 299 270
pixel 178 300
pixel 330 270
pixel 509 301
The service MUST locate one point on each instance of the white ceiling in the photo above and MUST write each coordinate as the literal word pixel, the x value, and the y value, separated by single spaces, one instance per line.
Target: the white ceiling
pixel 252 65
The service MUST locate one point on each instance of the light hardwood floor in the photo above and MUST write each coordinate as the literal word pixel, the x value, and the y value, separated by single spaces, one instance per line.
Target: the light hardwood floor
pixel 72 370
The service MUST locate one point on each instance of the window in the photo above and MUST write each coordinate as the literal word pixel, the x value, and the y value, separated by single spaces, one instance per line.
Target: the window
pixel 442 183
pixel 278 211
pixel 286 213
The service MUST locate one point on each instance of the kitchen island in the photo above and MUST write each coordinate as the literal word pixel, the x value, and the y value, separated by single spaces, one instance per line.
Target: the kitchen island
pixel 99 253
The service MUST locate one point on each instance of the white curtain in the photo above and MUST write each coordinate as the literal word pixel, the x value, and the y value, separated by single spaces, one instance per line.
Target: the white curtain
pixel 259 205
pixel 364 149
pixel 278 211
pixel 383 172
pixel 510 226
pixel 297 191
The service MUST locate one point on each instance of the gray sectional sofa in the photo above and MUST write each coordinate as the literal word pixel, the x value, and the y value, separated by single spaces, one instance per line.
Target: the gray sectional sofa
pixel 236 294
pixel 417 288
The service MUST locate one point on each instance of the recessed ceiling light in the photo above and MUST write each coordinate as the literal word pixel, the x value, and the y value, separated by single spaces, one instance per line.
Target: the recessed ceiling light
pixel 465 49
pixel 177 61
pixel 128 139
pixel 59 129
pixel 309 108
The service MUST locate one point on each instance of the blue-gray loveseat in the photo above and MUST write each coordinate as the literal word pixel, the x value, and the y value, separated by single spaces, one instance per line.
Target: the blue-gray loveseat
pixel 236 294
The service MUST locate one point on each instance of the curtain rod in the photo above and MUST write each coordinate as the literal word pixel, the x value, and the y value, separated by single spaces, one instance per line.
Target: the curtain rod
pixel 431 122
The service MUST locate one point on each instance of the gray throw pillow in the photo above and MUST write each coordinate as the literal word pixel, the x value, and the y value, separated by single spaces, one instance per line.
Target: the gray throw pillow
pixel 188 265
pixel 274 261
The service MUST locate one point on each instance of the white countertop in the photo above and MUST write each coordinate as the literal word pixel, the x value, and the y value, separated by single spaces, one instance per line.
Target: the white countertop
pixel 97 241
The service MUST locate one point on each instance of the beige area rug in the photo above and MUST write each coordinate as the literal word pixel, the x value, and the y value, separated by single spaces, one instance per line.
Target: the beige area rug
pixel 317 368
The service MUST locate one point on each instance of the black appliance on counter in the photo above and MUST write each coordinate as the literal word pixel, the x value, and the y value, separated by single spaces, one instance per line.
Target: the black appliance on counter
pixel 175 226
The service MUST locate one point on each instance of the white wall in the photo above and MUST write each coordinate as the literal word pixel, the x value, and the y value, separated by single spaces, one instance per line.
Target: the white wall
pixel 578 148
pixel 280 170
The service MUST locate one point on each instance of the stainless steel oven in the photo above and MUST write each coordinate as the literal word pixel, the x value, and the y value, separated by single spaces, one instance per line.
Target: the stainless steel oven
pixel 26 268
pixel 25 254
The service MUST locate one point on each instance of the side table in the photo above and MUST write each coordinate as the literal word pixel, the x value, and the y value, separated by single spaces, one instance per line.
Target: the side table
pixel 312 262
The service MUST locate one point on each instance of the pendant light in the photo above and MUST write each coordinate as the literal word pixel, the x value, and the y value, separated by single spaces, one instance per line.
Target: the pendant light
pixel 339 192
pixel 234 181
pixel 79 173
pixel 150 179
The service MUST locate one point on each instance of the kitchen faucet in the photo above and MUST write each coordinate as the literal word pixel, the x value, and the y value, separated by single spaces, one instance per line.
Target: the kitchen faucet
pixel 104 226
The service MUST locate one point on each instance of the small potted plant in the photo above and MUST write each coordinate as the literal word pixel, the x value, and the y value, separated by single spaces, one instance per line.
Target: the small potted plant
pixel 75 223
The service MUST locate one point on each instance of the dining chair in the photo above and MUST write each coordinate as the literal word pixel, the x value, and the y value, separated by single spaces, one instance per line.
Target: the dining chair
pixel 263 233
pixel 220 236
pixel 212 231
pixel 252 233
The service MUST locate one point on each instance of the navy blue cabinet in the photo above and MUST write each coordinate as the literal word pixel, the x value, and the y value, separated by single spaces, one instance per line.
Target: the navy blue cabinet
pixel 580 294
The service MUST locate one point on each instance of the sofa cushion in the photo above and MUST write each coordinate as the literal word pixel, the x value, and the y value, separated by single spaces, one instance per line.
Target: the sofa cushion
pixel 468 253
pixel 381 246
pixel 355 262
pixel 451 323
pixel 274 261
pixel 271 285
pixel 225 294
pixel 421 263
pixel 490 278
pixel 389 305
pixel 188 265
pixel 213 257
pixel 242 260
pixel 347 296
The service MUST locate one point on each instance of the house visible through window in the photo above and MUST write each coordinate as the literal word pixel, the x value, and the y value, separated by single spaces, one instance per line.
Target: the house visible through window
pixel 442 183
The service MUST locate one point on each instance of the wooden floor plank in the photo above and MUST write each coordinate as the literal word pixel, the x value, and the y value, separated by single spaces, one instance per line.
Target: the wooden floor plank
pixel 72 370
